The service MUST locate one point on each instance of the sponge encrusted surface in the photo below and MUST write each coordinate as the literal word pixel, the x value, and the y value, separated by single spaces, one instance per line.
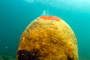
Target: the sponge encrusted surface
pixel 53 40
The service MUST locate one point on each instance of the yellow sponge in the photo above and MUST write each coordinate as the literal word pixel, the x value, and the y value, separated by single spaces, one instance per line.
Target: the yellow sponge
pixel 52 39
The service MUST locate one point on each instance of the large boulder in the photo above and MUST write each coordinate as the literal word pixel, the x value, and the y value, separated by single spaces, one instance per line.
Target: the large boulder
pixel 48 38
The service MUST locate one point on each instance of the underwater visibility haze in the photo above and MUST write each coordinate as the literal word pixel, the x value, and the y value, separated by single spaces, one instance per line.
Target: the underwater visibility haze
pixel 16 15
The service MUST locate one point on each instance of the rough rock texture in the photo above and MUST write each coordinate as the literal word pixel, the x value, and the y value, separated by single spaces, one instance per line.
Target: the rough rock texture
pixel 52 39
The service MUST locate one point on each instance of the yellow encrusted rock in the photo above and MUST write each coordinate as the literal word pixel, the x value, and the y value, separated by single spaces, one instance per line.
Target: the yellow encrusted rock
pixel 51 37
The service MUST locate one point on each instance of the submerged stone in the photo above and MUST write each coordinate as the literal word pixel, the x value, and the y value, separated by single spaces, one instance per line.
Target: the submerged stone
pixel 48 38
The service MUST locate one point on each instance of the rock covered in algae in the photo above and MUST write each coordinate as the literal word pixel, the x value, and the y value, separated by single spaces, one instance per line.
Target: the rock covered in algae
pixel 51 38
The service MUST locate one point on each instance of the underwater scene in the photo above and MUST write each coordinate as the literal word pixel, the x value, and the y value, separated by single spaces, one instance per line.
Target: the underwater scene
pixel 16 15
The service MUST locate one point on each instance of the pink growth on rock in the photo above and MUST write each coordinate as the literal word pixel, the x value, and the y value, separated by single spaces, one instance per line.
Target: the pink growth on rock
pixel 51 18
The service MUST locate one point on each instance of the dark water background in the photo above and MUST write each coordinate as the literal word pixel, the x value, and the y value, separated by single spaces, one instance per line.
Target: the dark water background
pixel 15 15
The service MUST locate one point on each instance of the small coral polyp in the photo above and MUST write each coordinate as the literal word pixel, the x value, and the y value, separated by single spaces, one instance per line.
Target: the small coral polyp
pixel 48 38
